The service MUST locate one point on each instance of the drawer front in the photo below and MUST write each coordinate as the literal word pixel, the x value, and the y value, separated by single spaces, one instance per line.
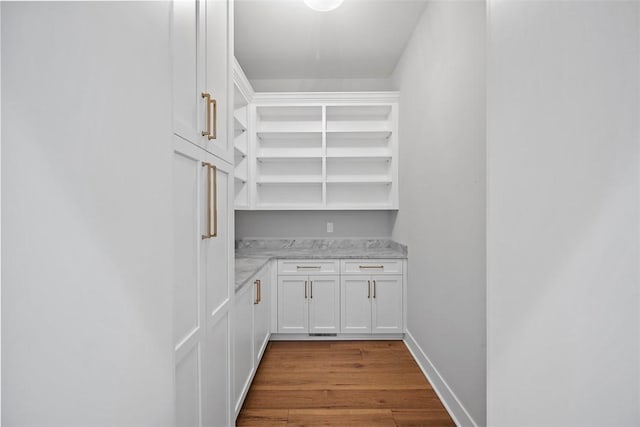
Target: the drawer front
pixel 371 266
pixel 301 266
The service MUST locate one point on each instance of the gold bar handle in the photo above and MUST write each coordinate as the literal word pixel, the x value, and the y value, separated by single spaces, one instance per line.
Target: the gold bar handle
pixel 212 200
pixel 371 266
pixel 259 291
pixel 215 201
pixel 369 289
pixel 214 132
pixel 207 97
pixel 257 300
pixel 305 289
pixel 374 288
pixel 307 267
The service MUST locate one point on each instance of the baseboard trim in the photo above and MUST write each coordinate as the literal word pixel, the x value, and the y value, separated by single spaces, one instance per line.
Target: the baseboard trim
pixel 451 403
pixel 338 337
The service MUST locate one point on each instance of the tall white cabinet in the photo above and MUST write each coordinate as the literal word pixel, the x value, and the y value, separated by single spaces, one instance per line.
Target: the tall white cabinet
pixel 201 74
pixel 203 199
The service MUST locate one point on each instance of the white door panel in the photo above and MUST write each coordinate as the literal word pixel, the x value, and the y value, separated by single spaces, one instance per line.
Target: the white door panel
pixel 386 312
pixel 324 304
pixel 292 304
pixel 356 304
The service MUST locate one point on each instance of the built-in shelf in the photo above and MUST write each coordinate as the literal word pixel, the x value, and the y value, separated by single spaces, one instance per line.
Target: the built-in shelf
pixel 290 180
pixel 323 151
pixel 241 102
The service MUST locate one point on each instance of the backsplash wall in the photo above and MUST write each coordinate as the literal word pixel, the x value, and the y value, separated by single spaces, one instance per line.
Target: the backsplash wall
pixel 295 224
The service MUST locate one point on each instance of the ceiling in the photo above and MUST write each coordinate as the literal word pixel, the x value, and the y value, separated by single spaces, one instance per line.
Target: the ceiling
pixel 285 39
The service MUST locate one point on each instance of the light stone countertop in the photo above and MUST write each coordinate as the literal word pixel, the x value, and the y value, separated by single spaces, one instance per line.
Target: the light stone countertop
pixel 252 255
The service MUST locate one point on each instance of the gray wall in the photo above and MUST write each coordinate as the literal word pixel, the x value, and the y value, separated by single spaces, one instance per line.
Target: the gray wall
pixel 563 214
pixel 289 224
pixel 320 85
pixel 86 215
pixel 441 78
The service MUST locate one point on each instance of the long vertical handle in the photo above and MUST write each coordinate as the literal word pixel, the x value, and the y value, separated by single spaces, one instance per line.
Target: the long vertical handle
pixel 369 289
pixel 207 131
pixel 259 291
pixel 214 185
pixel 257 298
pixel 212 200
pixel 311 287
pixel 305 289
pixel 214 133
pixel 374 288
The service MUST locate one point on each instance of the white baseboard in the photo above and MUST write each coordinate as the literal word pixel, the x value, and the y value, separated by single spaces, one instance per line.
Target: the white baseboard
pixel 451 403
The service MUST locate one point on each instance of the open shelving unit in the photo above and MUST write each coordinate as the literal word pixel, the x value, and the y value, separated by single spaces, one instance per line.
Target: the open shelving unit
pixel 324 151
pixel 243 94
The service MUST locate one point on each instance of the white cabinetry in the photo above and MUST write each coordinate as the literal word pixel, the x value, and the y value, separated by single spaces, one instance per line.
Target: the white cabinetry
pixel 373 302
pixel 251 333
pixel 203 241
pixel 308 303
pixel 323 151
pixel 242 95
pixel 201 68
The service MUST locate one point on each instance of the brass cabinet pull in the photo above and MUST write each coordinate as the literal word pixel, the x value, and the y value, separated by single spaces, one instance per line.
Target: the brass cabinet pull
pixel 214 132
pixel 311 288
pixel 207 97
pixel 369 289
pixel 371 266
pixel 306 267
pixel 258 292
pixel 374 288
pixel 305 289
pixel 212 200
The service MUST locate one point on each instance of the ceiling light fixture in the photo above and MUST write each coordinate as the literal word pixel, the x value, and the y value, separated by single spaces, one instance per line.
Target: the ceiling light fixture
pixel 323 5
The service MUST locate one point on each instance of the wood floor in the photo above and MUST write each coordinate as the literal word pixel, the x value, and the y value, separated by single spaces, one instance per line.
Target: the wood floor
pixel 341 383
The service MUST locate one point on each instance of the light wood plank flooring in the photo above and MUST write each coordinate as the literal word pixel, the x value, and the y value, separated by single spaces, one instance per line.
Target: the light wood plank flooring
pixel 341 383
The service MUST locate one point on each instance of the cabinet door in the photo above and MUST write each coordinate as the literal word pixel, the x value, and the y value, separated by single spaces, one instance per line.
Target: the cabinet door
pixel 355 294
pixel 243 342
pixel 201 288
pixel 324 304
pixel 261 315
pixel 189 109
pixel 217 262
pixel 293 313
pixel 386 312
pixel 218 64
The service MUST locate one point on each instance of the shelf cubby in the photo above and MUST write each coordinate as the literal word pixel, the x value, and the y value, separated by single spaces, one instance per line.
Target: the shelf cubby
pixel 279 195
pixel 280 119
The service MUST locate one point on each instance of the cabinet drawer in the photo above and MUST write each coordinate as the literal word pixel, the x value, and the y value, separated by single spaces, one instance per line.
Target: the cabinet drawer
pixel 371 266
pixel 286 266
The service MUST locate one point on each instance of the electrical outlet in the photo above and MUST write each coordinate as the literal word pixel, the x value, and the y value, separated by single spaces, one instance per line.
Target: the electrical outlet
pixel 329 227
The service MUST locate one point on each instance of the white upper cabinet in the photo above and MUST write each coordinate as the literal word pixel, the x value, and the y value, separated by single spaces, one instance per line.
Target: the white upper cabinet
pixel 201 70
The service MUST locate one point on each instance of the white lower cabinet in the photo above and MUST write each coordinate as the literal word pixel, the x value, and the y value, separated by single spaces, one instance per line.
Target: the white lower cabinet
pixel 372 304
pixel 308 304
pixel 350 302
pixel 251 333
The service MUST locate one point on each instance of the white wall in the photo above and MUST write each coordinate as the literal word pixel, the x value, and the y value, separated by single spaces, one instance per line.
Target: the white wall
pixel 441 78
pixel 320 85
pixel 563 214
pixel 294 224
pixel 86 215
